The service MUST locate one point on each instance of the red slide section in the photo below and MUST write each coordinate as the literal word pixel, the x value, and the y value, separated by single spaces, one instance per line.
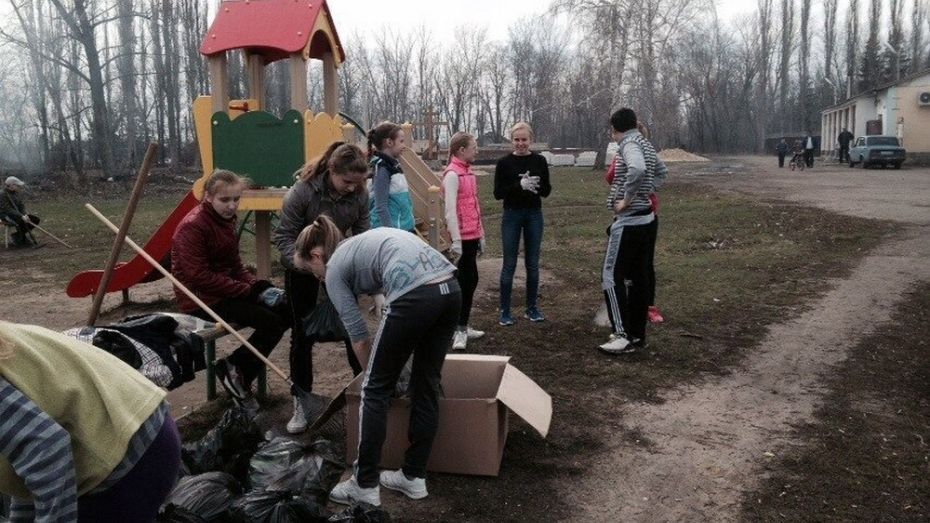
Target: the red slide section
pixel 136 270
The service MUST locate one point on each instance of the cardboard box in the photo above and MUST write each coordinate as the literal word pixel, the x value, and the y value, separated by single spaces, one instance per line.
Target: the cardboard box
pixel 479 392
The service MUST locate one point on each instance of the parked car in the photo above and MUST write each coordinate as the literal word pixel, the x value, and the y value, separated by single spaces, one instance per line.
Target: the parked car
pixel 876 150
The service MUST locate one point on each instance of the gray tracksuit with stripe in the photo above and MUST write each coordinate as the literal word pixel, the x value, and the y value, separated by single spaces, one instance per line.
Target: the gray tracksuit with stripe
pixel 638 173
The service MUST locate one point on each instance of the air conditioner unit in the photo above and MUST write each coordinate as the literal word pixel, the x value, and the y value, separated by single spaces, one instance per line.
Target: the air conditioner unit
pixel 923 99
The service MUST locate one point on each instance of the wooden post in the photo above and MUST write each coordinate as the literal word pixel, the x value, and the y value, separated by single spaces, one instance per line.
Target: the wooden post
pixel 263 244
pixel 121 234
pixel 435 212
pixel 298 70
pixel 255 65
pixel 330 85
pixel 219 82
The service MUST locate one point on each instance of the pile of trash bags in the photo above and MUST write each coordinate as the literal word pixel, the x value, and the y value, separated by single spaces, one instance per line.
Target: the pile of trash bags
pixel 233 475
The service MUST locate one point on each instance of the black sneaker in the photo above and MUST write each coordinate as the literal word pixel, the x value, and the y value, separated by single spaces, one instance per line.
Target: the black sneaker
pixel 231 380
pixel 639 344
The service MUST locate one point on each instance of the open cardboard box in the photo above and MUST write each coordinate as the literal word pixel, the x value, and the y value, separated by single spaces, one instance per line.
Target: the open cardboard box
pixel 479 392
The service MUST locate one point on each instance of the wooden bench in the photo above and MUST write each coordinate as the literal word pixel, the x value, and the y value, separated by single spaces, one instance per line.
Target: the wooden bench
pixel 207 338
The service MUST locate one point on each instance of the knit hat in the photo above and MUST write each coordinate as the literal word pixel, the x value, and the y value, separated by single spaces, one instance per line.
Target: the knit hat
pixel 12 180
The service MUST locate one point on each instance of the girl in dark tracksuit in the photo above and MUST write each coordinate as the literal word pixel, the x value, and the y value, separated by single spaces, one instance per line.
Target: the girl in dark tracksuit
pixel 423 301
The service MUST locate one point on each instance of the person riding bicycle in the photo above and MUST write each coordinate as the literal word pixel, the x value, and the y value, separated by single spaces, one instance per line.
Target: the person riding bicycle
pixel 798 153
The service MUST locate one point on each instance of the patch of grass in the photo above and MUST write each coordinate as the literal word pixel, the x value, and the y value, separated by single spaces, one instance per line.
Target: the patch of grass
pixel 865 458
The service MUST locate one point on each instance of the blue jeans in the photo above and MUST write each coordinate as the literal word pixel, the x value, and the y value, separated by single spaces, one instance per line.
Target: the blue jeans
pixel 530 223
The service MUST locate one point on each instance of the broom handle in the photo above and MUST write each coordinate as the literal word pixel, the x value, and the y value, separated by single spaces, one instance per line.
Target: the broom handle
pixel 185 290
pixel 56 238
pixel 141 178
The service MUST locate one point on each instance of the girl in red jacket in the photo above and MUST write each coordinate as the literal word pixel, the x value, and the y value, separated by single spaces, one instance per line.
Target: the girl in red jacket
pixel 463 220
pixel 205 258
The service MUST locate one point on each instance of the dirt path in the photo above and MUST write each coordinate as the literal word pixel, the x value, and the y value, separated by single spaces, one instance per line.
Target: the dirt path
pixel 705 444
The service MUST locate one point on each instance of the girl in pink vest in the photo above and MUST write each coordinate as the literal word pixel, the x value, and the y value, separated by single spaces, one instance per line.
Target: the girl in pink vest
pixel 463 220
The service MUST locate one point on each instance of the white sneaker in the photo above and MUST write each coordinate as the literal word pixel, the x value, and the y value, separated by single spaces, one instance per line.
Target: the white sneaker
pixel 460 340
pixel 298 421
pixel 617 345
pixel 348 491
pixel 396 480
pixel 473 334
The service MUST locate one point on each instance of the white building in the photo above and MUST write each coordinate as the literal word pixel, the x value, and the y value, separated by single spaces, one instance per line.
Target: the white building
pixel 900 108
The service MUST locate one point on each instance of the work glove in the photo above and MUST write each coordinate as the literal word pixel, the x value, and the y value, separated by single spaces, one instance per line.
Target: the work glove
pixel 272 297
pixel 456 248
pixel 258 288
pixel 481 247
pixel 529 183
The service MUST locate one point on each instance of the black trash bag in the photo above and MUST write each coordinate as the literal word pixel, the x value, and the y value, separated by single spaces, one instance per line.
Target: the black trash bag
pixel 256 506
pixel 173 514
pixel 323 323
pixel 273 460
pixel 268 506
pixel 208 496
pixel 5 503
pixel 297 510
pixel 325 469
pixel 227 447
pixel 361 513
pixel 312 476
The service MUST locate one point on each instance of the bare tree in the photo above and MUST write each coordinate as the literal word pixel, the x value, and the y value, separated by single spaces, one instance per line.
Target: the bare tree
pixel 871 68
pixel 83 28
pixel 852 42
pixel 785 51
pixel 918 18
pixel 829 39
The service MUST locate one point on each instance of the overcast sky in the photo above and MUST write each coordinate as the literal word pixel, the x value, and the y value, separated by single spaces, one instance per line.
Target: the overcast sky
pixel 442 16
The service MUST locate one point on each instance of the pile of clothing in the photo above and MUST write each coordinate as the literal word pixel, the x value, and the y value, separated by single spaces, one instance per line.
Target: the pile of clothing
pixel 161 346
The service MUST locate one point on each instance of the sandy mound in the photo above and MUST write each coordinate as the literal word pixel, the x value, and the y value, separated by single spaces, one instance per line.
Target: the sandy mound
pixel 680 155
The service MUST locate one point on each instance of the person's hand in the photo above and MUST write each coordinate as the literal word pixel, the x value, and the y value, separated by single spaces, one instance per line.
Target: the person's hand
pixel 619 205
pixel 456 248
pixel 26 218
pixel 362 350
pixel 529 183
pixel 481 247
pixel 255 293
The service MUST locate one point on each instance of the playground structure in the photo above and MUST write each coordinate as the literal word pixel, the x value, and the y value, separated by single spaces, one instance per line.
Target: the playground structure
pixel 241 136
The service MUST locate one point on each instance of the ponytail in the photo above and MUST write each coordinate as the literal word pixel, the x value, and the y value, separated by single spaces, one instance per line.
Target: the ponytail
pixel 379 134
pixel 321 233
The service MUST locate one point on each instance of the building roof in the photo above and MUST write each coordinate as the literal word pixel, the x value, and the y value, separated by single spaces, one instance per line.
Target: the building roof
pixel 905 79
pixel 274 29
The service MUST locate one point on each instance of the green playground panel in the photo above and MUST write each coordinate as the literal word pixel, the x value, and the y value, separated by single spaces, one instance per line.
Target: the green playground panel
pixel 260 146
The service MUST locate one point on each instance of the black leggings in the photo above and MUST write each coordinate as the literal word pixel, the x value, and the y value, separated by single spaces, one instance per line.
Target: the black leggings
pixel 467 275
pixel 269 324
pixel 302 292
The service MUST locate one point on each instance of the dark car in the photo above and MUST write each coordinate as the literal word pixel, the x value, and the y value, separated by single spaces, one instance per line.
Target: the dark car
pixel 876 150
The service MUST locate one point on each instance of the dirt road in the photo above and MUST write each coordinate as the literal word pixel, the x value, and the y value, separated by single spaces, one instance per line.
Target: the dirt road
pixel 707 442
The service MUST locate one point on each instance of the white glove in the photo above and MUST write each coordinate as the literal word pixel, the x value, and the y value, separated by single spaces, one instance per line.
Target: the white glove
pixel 481 247
pixel 529 183
pixel 456 248
pixel 26 218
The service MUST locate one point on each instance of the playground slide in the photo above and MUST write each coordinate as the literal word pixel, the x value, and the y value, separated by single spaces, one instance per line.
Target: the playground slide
pixel 136 270
pixel 420 178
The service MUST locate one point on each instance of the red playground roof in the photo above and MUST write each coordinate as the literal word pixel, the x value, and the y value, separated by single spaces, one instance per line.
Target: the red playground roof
pixel 272 28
